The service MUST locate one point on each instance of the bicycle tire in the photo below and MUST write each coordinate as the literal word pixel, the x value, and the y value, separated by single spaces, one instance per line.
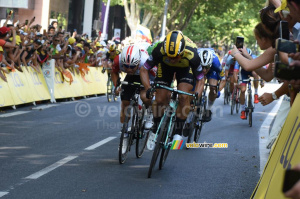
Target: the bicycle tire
pixel 123 156
pixel 158 147
pixel 192 129
pixel 250 109
pixel 238 104
pixel 233 101
pixel 109 90
pixel 165 152
pixel 142 135
pixel 198 128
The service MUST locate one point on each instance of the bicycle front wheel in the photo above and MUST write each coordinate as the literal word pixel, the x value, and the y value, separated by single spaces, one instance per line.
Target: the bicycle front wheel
pixel 126 136
pixel 109 90
pixel 142 134
pixel 233 101
pixel 250 117
pixel 166 149
pixel 158 146
pixel 238 104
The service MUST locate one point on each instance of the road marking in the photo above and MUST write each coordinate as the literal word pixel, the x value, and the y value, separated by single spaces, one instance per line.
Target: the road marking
pixel 91 98
pixel 14 113
pixel 92 147
pixel 50 168
pixel 44 107
pixel 3 193
pixel 264 136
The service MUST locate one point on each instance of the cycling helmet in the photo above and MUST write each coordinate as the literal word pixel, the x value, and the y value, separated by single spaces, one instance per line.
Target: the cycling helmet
pixel 249 51
pixel 174 44
pixel 206 58
pixel 131 55
pixel 112 47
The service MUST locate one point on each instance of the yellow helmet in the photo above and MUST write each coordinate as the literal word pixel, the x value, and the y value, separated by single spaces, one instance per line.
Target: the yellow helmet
pixel 112 47
pixel 174 44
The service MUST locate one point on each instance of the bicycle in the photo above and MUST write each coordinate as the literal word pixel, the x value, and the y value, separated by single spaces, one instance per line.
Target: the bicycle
pixel 110 88
pixel 134 126
pixel 227 92
pixel 249 109
pixel 196 118
pixel 235 99
pixel 165 128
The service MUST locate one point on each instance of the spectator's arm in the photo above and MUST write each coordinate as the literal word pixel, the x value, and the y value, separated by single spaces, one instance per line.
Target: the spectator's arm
pixel 250 65
pixel 6 21
pixel 265 74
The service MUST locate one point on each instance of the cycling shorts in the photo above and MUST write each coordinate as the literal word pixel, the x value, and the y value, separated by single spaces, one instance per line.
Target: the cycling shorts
pixel 127 90
pixel 245 75
pixel 165 75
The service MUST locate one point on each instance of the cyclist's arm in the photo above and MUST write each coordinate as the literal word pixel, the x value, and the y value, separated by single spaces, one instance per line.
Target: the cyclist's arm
pixel 199 87
pixel 145 78
pixel 262 60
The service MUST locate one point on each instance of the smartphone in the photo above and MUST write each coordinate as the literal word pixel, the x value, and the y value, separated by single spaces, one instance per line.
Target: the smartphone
pixel 286 46
pixel 10 12
pixel 285 72
pixel 291 177
pixel 239 43
pixel 26 21
pixel 284 30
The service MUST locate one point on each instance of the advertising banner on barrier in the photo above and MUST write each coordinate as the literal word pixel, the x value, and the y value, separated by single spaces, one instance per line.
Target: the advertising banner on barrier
pixel 49 72
pixel 62 89
pixel 19 88
pixel 37 84
pixel 6 98
pixel 285 155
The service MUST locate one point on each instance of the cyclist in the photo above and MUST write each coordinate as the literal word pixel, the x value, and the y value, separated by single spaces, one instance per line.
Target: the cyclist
pixel 176 54
pixel 212 69
pixel 110 56
pixel 130 61
pixel 245 75
pixel 231 71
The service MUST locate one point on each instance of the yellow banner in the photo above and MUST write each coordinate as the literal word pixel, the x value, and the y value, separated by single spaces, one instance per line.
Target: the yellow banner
pixel 62 89
pixel 6 98
pixel 37 84
pixel 20 90
pixel 285 155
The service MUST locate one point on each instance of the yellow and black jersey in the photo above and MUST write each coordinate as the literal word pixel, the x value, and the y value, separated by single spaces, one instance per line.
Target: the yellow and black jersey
pixel 190 57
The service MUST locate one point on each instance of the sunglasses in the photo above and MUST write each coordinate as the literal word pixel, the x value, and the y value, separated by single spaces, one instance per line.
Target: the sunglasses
pixel 129 66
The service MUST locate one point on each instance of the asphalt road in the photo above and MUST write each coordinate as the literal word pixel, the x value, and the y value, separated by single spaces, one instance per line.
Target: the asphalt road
pixel 70 150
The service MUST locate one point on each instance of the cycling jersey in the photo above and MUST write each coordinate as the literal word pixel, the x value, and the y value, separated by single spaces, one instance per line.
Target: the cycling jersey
pixel 231 64
pixel 190 59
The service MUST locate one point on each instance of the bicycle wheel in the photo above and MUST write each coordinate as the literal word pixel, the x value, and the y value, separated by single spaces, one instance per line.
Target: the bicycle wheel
pixel 142 134
pixel 233 101
pixel 165 149
pixel 228 93
pixel 109 90
pixel 238 104
pixel 199 122
pixel 123 153
pixel 250 109
pixel 158 147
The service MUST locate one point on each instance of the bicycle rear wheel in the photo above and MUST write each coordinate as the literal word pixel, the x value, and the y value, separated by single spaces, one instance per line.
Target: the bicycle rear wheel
pixel 250 117
pixel 142 134
pixel 199 123
pixel 123 153
pixel 238 104
pixel 250 106
pixel 233 101
pixel 158 146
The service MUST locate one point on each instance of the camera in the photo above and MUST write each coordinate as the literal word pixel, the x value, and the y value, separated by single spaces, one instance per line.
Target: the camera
pixel 284 30
pixel 286 46
pixel 286 72
pixel 239 42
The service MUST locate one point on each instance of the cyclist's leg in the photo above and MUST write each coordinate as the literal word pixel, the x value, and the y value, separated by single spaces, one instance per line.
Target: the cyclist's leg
pixel 256 77
pixel 162 96
pixel 185 81
pixel 223 80
pixel 243 85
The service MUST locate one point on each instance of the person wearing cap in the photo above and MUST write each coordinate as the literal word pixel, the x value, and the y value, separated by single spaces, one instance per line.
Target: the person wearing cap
pixel 4 33
pixel 4 63
pixel 91 58
pixel 72 41
pixel 176 55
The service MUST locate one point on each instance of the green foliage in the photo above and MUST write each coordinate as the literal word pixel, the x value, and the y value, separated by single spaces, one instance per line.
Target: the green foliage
pixel 220 21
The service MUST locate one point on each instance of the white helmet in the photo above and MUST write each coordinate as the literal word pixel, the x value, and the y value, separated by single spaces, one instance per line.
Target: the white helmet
pixel 206 57
pixel 131 55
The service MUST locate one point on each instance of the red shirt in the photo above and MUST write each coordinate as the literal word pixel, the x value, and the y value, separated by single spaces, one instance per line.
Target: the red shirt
pixel 2 42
